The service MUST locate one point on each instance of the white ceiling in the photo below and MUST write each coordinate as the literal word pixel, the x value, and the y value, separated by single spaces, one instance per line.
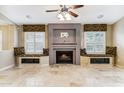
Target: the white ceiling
pixel 87 14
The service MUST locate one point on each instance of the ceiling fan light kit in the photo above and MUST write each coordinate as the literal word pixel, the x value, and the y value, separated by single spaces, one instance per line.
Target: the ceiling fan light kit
pixel 64 16
pixel 67 16
pixel 60 17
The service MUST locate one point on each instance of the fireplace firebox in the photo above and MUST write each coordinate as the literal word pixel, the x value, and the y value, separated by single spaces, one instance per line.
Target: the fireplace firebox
pixel 64 57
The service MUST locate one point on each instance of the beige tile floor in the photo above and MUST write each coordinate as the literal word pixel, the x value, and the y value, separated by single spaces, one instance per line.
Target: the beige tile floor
pixel 34 75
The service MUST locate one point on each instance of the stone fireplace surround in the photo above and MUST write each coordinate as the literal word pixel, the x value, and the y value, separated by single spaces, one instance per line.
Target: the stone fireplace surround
pixel 72 43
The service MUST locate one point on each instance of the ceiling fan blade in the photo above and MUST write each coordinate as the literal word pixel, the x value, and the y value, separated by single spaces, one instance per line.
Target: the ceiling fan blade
pixel 72 13
pixel 76 6
pixel 51 10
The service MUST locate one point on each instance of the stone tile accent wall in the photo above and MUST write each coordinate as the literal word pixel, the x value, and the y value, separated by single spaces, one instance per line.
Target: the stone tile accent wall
pixel 95 27
pixel 37 28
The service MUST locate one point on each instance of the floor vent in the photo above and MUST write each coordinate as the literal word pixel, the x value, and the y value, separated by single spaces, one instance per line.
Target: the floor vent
pixel 99 60
pixel 32 61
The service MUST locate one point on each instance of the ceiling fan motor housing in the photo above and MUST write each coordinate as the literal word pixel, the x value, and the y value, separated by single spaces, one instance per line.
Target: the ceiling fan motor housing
pixel 64 9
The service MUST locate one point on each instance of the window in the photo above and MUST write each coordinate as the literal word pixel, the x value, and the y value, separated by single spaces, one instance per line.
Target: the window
pixel 94 42
pixel 34 42
pixel 0 40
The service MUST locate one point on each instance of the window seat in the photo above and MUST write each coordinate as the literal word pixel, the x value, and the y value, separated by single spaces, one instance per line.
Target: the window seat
pixel 19 53
pixel 32 55
pixel 97 55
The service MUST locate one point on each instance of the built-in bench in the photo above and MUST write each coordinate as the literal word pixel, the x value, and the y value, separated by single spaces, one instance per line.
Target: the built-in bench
pixel 109 58
pixel 20 56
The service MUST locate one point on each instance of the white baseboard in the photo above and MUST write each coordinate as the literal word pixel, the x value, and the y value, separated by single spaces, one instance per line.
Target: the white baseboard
pixel 8 67
pixel 120 66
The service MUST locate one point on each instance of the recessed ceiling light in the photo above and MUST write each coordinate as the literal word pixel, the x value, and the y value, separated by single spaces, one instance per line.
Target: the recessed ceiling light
pixel 100 16
pixel 28 16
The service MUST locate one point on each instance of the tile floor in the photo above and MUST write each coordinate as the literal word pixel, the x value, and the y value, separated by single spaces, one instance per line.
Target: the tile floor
pixel 34 75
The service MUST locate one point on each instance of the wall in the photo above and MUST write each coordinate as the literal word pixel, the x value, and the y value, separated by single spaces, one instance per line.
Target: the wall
pixel 9 33
pixel 5 30
pixel 20 36
pixel 118 41
pixel 9 40
pixel 6 59
pixel 108 36
pixel 46 37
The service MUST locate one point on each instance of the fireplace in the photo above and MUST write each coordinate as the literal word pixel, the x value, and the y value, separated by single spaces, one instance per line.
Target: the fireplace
pixel 64 43
pixel 64 57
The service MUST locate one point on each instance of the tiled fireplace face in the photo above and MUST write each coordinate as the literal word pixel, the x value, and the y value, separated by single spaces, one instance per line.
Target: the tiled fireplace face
pixel 66 38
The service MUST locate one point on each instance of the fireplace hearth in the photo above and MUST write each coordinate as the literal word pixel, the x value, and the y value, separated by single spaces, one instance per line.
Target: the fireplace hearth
pixel 64 57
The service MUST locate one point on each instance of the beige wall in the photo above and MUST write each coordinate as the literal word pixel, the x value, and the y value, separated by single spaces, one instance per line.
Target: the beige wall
pixel 109 35
pixel 5 36
pixel 46 37
pixel 8 36
pixel 118 41
pixel 20 36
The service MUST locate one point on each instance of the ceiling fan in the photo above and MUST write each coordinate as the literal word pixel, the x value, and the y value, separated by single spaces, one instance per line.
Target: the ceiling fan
pixel 64 8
